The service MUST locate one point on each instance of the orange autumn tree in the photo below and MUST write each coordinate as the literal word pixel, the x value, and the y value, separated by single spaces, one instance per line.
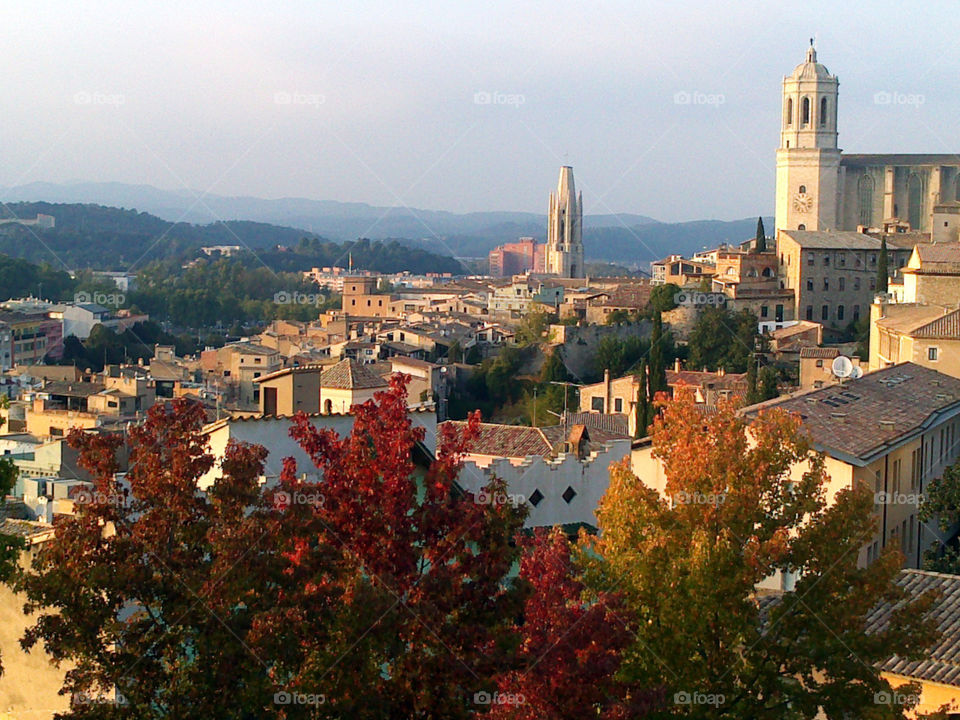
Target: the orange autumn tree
pixel 748 501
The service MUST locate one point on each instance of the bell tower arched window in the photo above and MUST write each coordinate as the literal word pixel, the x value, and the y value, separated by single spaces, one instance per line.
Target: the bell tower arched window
pixel 789 113
pixel 805 112
pixel 823 112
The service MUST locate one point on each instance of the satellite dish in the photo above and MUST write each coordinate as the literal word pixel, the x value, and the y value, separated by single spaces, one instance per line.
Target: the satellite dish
pixel 857 372
pixel 842 367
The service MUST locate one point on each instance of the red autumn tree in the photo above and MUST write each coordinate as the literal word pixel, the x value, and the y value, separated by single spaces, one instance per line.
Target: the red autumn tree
pixel 425 614
pixel 571 645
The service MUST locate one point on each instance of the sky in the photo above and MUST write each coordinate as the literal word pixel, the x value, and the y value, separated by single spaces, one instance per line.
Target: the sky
pixel 666 109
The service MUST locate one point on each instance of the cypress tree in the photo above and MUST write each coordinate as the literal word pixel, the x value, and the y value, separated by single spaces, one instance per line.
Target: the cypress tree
pixel 882 273
pixel 761 244
pixel 658 370
pixel 643 402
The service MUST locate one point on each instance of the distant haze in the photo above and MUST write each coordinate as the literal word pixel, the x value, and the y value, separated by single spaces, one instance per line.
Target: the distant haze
pixel 664 109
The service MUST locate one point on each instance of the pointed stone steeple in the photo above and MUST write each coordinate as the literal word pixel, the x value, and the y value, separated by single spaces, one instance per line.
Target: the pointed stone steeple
pixel 565 228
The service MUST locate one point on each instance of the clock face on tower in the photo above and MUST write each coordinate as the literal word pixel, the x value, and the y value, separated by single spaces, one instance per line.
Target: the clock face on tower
pixel 802 202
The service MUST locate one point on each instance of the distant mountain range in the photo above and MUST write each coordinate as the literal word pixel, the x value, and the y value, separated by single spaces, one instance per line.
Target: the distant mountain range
pixel 629 239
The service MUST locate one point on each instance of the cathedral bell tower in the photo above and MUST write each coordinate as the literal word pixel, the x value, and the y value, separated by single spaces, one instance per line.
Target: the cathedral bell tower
pixel 808 159
pixel 565 229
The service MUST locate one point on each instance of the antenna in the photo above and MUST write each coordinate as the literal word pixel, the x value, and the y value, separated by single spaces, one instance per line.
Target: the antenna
pixel 842 367
pixel 857 372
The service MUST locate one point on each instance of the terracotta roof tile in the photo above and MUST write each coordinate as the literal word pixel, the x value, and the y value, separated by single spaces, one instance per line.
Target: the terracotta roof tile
pixel 348 374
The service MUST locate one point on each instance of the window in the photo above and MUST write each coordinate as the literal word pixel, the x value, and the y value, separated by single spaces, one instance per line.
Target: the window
pixel 873 259
pixel 568 495
pixel 896 475
pixel 856 313
pixel 803 188
pixel 764 311
pixel 825 312
pixel 873 283
pixel 809 312
pixel 596 403
pixel 839 312
pixel 819 363
pixel 823 112
pixel 327 406
pixel 257 361
pixel 789 112
pixel 778 313
pixel 826 261
pixel 809 284
pixel 256 375
pixel 932 354
pixel 801 226
pixel 618 405
pixel 841 283
pixel 811 259
pixel 865 192
pixel 842 259
pixel 826 283
pixel 914 202
pixel 226 373
pixel 805 113
pixel 856 283
pixel 768 272
pixel 536 498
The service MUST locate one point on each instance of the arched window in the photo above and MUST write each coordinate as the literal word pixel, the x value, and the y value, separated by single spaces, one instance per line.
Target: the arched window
pixel 768 272
pixel 823 112
pixel 914 202
pixel 789 112
pixel 865 191
pixel 327 406
pixel 801 226
pixel 752 272
pixel 803 188
pixel 805 112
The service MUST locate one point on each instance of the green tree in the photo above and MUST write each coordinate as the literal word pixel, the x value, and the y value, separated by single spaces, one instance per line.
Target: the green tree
pixel 688 569
pixel 616 317
pixel 941 503
pixel 723 339
pixel 761 242
pixel 644 410
pixel 663 298
pixel 657 365
pixel 882 269
pixel 768 384
pixel 533 328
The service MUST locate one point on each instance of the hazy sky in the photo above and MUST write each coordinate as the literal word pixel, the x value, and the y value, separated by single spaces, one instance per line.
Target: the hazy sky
pixel 460 106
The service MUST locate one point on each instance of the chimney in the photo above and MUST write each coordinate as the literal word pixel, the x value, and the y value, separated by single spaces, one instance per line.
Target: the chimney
pixel 606 390
pixel 676 365
pixel 721 372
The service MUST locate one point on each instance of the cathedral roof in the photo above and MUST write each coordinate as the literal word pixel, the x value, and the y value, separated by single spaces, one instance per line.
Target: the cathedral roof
pixel 810 69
